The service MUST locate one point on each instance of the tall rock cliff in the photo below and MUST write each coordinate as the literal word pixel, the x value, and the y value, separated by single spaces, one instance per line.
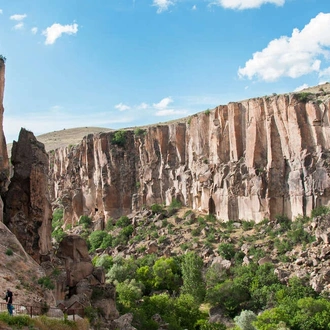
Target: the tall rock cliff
pixel 4 163
pixel 248 160
pixel 28 212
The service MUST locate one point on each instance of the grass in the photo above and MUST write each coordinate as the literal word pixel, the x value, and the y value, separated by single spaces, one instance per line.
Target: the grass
pixel 41 323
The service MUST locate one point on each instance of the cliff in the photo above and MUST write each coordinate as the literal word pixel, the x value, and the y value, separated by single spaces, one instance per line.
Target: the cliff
pixel 248 160
pixel 4 163
pixel 28 212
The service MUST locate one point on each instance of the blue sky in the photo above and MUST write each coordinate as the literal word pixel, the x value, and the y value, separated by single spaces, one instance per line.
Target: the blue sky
pixel 124 63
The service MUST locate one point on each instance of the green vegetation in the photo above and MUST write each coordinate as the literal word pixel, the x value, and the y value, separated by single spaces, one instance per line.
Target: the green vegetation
pixel 46 282
pixel 139 131
pixel 41 323
pixel 85 221
pixel 2 58
pixel 9 252
pixel 182 288
pixel 304 97
pixel 119 138
pixel 207 112
pixel 57 225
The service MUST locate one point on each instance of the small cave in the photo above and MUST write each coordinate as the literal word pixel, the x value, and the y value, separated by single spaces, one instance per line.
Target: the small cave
pixel 211 206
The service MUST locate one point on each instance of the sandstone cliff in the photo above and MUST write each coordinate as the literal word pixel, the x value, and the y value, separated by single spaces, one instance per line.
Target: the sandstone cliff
pixel 248 160
pixel 4 164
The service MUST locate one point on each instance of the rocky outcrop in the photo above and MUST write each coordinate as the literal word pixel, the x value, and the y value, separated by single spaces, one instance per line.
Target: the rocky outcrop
pixel 78 284
pixel 249 160
pixel 4 163
pixel 21 273
pixel 28 212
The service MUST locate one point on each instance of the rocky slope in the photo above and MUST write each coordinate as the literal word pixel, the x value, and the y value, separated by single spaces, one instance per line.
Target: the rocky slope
pixel 247 160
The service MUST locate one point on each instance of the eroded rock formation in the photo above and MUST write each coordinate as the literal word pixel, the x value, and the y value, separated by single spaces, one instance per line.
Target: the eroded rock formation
pixel 28 212
pixel 79 284
pixel 249 160
pixel 4 163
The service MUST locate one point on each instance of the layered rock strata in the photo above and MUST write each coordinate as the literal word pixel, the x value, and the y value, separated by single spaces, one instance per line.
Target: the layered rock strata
pixel 28 212
pixel 248 160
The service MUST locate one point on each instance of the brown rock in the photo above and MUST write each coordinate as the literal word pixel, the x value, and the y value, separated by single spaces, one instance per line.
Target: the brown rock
pixel 28 212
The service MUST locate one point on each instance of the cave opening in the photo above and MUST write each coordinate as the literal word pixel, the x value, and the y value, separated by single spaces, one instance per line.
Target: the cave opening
pixel 211 206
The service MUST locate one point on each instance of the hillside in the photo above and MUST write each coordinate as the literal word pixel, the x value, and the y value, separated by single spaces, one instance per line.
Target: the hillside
pixel 65 137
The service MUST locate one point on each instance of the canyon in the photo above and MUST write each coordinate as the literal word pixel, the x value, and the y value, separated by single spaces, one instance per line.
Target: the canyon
pixel 249 160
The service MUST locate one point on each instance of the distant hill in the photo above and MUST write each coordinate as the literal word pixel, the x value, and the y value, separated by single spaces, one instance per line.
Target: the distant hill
pixel 65 137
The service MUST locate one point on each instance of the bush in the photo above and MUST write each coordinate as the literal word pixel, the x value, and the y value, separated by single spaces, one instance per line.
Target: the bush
pixel 96 239
pixel 85 221
pixel 226 250
pixel 320 210
pixel 139 131
pixel 156 208
pixel 9 252
pixel 46 283
pixel 123 222
pixel 119 138
pixel 304 97
pixel 245 319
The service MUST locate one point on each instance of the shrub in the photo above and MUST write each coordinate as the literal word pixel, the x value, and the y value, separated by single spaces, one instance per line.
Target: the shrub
pixel 96 239
pixel 303 97
pixel 207 112
pixel 18 321
pixel 3 58
pixel 320 210
pixel 139 131
pixel 156 208
pixel 46 283
pixel 9 252
pixel 119 138
pixel 123 222
pixel 245 319
pixel 226 250
pixel 85 221
pixel 247 225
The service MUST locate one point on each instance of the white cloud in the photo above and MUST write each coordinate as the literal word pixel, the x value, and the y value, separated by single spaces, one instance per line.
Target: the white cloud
pixel 293 56
pixel 194 7
pixel 1 11
pixel 300 88
pixel 122 107
pixel 162 5
pixel 52 33
pixel 143 106
pixel 170 112
pixel 245 4
pixel 19 26
pixel 163 104
pixel 325 72
pixel 34 30
pixel 17 17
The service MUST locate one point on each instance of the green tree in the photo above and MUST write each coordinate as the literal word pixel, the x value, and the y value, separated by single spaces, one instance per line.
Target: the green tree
pixel 245 319
pixel 96 238
pixel 129 292
pixel 193 282
pixel 166 274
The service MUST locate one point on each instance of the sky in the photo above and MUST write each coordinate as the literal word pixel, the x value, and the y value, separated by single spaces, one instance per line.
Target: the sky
pixel 127 63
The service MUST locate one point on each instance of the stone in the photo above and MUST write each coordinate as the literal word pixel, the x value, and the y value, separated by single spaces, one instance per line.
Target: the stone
pixel 243 160
pixel 28 212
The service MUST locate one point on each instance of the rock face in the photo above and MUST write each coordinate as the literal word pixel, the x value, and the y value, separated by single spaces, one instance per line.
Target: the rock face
pixel 28 212
pixel 82 285
pixel 248 160
pixel 20 273
pixel 4 163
